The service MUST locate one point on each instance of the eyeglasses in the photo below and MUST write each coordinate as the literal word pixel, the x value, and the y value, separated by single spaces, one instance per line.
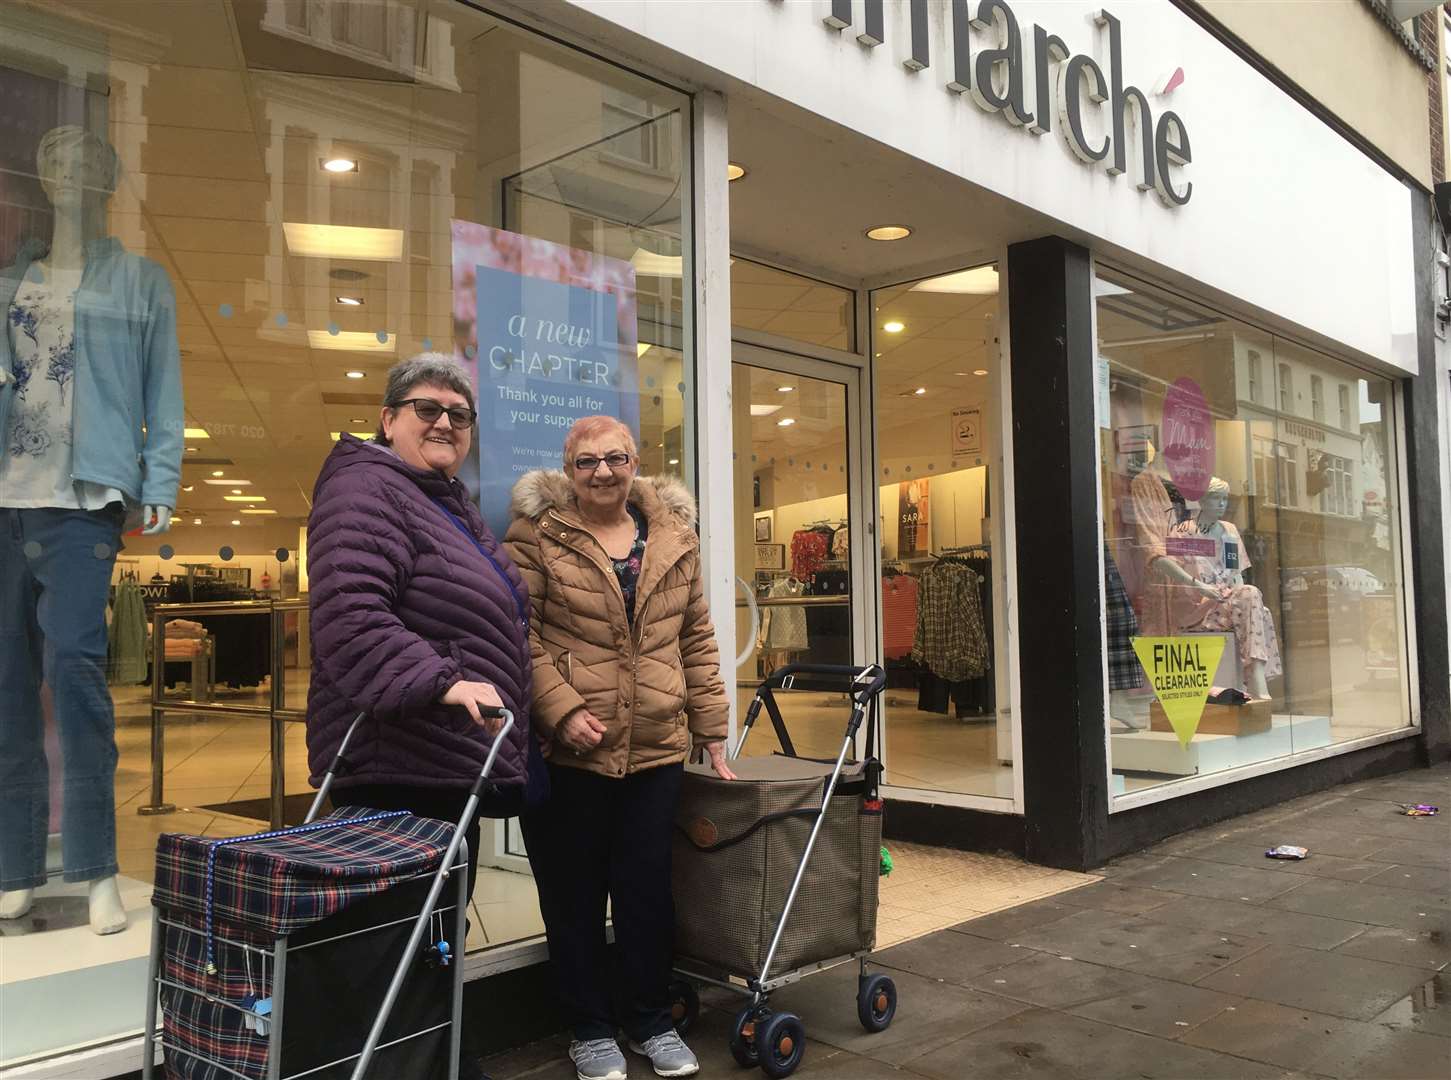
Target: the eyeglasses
pixel 589 463
pixel 429 411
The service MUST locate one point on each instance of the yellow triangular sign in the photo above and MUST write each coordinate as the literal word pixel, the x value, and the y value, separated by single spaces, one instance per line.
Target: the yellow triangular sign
pixel 1180 670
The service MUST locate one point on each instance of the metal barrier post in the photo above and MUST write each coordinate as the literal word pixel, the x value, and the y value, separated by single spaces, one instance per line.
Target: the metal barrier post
pixel 158 803
pixel 277 735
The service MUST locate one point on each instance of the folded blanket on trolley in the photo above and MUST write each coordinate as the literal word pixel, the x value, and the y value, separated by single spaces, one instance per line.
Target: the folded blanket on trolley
pixel 185 628
pixel 183 648
pixel 280 882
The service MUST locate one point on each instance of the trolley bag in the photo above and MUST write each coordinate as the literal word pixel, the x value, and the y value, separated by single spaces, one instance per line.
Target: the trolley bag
pixel 284 943
pixel 737 846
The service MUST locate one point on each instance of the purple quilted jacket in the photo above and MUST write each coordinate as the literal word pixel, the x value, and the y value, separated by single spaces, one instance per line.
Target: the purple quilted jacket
pixel 403 605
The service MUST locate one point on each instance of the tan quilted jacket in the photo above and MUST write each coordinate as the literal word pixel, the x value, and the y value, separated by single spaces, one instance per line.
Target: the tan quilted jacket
pixel 653 688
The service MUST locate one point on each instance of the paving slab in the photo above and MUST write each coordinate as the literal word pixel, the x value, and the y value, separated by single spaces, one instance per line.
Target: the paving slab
pixel 1102 937
pixel 953 958
pixel 1167 1009
pixel 1326 982
pixel 1053 981
pixel 1427 948
pixel 1005 925
pixel 1256 921
pixel 1111 896
pixel 1432 879
pixel 1197 877
pixel 1427 1008
pixel 1378 905
pixel 1275 1034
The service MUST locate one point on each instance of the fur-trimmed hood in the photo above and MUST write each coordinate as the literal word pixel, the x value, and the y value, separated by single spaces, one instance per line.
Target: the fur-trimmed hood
pixel 542 490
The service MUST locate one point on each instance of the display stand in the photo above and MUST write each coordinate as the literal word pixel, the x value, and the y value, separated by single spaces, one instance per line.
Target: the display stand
pixel 1160 752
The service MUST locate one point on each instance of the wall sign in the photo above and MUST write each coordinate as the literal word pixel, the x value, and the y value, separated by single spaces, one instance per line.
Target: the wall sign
pixel 966 434
pixel 993 64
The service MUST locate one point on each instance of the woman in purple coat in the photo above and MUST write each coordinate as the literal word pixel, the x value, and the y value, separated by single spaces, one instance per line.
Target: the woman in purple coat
pixel 418 616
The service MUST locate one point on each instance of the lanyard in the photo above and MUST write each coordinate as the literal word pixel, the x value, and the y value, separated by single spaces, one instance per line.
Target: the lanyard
pixel 518 600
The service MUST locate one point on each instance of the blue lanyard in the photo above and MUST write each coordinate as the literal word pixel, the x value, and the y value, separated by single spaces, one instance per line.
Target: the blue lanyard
pixel 518 600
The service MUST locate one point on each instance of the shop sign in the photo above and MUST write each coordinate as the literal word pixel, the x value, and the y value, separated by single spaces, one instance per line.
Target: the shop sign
pixel 1304 431
pixel 995 75
pixel 550 332
pixel 1180 670
pixel 1188 438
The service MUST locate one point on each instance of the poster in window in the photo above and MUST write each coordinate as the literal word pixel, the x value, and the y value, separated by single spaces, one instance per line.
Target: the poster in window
pixel 549 332
pixel 914 532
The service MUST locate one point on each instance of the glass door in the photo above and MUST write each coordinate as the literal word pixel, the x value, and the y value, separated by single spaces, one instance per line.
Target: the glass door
pixel 800 535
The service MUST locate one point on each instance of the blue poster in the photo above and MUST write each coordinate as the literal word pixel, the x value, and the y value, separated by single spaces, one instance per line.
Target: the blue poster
pixel 547 354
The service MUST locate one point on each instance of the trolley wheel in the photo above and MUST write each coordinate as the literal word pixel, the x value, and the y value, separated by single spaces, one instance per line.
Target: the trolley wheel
pixel 876 1002
pixel 684 1005
pixel 782 1041
pixel 744 1031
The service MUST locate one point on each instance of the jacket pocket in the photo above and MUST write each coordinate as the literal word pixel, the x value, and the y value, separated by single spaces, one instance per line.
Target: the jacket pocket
pixel 564 664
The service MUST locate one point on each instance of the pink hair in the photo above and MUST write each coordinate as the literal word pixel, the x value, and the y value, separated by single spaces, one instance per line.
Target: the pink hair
pixel 590 427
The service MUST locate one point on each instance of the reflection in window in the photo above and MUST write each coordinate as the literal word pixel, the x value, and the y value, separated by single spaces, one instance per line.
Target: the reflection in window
pixel 1262 540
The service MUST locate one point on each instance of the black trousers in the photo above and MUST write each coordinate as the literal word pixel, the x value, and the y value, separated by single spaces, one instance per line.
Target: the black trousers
pixel 442 804
pixel 599 838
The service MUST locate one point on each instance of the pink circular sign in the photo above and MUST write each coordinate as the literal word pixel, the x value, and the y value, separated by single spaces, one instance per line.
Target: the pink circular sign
pixel 1188 438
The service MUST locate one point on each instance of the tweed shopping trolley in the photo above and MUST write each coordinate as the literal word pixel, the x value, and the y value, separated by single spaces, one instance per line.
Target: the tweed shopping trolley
pixel 316 951
pixel 776 873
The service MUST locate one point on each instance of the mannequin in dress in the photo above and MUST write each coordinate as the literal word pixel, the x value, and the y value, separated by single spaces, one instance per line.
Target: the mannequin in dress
pixel 91 436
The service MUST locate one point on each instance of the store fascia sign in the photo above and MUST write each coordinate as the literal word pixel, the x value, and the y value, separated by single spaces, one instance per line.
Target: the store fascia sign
pixel 996 77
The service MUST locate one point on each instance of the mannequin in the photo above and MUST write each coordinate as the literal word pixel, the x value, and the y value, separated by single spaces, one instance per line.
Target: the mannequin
pixel 91 428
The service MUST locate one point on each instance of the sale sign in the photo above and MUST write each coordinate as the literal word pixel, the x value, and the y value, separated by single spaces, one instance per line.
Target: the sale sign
pixel 1180 670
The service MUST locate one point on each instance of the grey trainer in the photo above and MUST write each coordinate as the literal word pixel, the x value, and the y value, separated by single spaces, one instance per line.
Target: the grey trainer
pixel 668 1054
pixel 598 1059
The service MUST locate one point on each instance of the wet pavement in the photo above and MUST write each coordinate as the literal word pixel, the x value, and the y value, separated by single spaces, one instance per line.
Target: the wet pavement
pixel 1197 958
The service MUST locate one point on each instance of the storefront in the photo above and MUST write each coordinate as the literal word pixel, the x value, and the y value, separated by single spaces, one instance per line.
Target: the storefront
pixel 1001 353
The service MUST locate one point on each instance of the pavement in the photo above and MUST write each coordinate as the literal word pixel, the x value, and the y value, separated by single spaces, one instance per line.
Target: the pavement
pixel 1197 958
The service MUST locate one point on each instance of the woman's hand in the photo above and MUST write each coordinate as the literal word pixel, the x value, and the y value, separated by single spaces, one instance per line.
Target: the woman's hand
pixel 1214 592
pixel 471 695
pixel 717 753
pixel 581 731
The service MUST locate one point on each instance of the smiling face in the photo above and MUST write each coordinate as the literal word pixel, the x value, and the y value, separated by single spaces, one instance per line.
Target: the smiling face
pixel 438 445
pixel 601 492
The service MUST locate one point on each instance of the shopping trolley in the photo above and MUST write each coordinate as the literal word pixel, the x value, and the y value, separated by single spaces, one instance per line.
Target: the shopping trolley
pixel 270 952
pixel 738 882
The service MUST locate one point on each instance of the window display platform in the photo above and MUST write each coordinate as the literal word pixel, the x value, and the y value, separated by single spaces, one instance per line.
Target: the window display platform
pixel 1160 752
pixel 50 955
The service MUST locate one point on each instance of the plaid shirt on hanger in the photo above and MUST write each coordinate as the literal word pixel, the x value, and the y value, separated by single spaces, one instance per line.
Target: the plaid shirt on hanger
pixel 951 640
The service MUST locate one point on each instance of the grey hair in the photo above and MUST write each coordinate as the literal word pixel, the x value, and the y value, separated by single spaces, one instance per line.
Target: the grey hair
pixel 425 369
pixel 1217 487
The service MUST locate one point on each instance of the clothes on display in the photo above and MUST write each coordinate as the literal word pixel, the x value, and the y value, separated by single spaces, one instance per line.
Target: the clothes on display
pixel 809 549
pixel 783 627
pixel 242 644
pixel 1124 671
pixel 128 644
pixel 951 637
pixel 899 614
pixel 829 625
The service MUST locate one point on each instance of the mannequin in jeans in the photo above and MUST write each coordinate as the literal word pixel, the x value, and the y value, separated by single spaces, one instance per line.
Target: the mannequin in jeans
pixel 69 324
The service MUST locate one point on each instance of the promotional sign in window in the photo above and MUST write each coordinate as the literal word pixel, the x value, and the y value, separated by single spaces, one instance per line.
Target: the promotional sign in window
pixel 550 332
pixel 1180 670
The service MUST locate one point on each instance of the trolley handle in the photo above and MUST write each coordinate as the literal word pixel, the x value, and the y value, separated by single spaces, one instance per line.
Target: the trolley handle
pixel 863 682
pixel 483 779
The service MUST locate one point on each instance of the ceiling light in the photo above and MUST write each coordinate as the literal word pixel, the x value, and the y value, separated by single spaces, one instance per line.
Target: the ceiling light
pixel 785 389
pixel 653 264
pixel 196 521
pixel 257 510
pixel 350 301
pixel 356 374
pixel 236 491
pixel 920 391
pixel 674 461
pixel 787 422
pixel 357 420
pixel 244 498
pixel 235 522
pixel 765 410
pixel 734 171
pixel 219 472
pixel 191 450
pixel 979 371
pixel 227 483
pixel 980 281
pixel 352 341
pixel 364 435
pixel 195 433
pixel 889 232
pixel 343 241
pixel 894 326
pixel 339 165
pixel 188 487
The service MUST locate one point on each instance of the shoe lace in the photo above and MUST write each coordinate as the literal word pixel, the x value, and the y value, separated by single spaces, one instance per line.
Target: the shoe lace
pixel 596 1049
pixel 667 1042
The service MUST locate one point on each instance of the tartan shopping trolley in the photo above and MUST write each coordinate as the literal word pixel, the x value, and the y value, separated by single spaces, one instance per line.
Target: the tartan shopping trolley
pixel 776 873
pixel 314 951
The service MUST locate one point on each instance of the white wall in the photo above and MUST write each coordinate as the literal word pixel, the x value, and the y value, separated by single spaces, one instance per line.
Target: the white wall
pixel 1285 215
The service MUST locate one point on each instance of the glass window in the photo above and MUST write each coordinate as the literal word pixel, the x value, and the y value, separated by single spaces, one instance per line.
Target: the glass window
pixel 939 446
pixel 1255 376
pixel 1253 583
pixel 262 207
pixel 1344 407
pixel 791 306
pixel 1287 389
pixel 1317 398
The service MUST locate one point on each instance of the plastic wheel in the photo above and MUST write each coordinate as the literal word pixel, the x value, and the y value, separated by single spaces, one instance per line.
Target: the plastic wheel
pixel 782 1042
pixel 876 1002
pixel 744 1032
pixel 684 1005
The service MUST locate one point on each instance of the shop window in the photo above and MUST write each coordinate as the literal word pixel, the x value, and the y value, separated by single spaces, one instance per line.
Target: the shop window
pixel 786 305
pixel 1254 589
pixel 311 192
pixel 943 588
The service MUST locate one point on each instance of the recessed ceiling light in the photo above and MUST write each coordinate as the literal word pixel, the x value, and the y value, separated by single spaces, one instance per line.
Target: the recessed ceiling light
pixel 234 482
pixel 343 241
pixel 981 281
pixel 787 422
pixel 979 371
pixel 785 389
pixel 350 301
pixel 920 391
pixel 191 450
pixel 258 510
pixel 675 461
pixel 196 521
pixel 765 410
pixel 235 522
pixel 236 491
pixel 889 232
pixel 734 171
pixel 380 341
pixel 356 375
pixel 894 326
pixel 357 420
pixel 362 435
pixel 195 433
pixel 220 472
pixel 244 498
pixel 188 487
pixel 339 165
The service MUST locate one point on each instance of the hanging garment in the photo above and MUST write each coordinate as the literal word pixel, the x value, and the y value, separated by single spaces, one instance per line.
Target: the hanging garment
pixel 978 696
pixel 1124 672
pixel 899 615
pixel 950 640
pixel 127 646
pixel 841 543
pixel 808 552
pixel 784 627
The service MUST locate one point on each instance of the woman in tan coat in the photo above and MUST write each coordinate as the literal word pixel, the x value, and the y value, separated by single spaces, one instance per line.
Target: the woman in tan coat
pixel 626 676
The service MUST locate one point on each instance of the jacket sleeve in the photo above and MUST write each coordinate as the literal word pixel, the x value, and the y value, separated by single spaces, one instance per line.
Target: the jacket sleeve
pixel 161 389
pixel 706 703
pixel 359 559
pixel 554 698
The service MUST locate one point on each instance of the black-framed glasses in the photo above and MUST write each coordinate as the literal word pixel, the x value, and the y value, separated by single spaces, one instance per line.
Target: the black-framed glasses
pixel 589 463
pixel 429 411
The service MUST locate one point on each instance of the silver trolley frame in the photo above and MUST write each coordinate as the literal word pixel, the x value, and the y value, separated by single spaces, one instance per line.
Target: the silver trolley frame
pixel 455 862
